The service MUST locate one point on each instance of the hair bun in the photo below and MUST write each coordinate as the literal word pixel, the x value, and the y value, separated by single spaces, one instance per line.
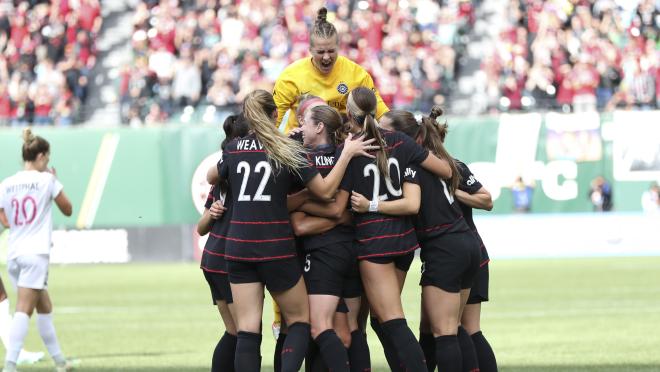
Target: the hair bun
pixel 436 112
pixel 28 136
pixel 322 15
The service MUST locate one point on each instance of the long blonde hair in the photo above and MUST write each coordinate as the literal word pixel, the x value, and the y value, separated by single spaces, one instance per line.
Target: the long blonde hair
pixel 258 108
pixel 361 104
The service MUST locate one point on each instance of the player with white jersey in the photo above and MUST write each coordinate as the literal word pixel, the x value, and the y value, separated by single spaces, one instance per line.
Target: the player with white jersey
pixel 24 357
pixel 25 200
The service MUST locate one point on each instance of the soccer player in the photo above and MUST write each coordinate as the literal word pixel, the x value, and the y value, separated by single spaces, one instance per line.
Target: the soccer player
pixel 330 264
pixel 385 243
pixel 215 222
pixel 26 199
pixel 24 357
pixel 472 194
pixel 450 252
pixel 304 225
pixel 260 169
pixel 325 74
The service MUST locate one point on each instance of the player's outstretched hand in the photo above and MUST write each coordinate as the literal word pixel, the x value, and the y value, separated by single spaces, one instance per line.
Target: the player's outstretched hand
pixel 52 171
pixel 217 209
pixel 359 203
pixel 358 146
pixel 296 134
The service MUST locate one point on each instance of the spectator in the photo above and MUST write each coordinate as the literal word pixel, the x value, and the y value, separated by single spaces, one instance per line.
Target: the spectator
pixel 596 54
pixel 187 84
pixel 155 117
pixel 46 54
pixel 410 48
pixel 600 194
pixel 651 199
pixel 522 195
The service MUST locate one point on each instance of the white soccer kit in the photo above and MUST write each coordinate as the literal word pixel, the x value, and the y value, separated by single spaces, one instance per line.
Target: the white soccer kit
pixel 27 199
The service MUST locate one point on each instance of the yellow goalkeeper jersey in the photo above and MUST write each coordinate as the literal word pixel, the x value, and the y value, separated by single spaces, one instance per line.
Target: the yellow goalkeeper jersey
pixel 302 77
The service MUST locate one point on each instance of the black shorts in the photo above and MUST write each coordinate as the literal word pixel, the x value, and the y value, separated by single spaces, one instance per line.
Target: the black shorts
pixel 277 276
pixel 332 270
pixel 219 285
pixel 401 262
pixel 479 292
pixel 341 306
pixel 450 261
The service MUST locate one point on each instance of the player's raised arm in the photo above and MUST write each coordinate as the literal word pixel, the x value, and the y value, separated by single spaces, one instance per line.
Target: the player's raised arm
pixel 285 95
pixel 3 219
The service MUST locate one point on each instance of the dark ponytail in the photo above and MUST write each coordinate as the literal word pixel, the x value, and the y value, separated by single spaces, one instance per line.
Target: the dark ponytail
pixel 234 126
pixel 361 104
pixel 432 135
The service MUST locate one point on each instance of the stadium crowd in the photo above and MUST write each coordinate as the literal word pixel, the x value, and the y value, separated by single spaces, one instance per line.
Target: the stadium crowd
pixel 577 55
pixel 46 55
pixel 199 53
pixel 205 55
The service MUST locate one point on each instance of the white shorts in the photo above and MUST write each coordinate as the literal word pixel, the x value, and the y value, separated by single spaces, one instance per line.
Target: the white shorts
pixel 29 271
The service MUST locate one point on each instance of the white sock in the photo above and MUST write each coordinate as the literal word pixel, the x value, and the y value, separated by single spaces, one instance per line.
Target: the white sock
pixel 47 332
pixel 19 328
pixel 5 322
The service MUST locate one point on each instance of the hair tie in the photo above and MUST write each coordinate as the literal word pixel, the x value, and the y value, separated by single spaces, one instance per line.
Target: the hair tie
pixel 308 102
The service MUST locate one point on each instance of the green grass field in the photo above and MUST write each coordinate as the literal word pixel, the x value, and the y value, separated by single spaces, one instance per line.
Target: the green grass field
pixel 599 314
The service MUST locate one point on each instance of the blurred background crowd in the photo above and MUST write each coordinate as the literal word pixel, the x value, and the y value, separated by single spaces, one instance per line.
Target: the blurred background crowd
pixel 46 55
pixel 197 59
pixel 576 55
pixel 214 52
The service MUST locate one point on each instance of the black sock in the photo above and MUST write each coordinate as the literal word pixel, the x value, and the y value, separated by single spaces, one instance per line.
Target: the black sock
pixel 295 347
pixel 248 356
pixel 277 356
pixel 223 355
pixel 427 342
pixel 406 345
pixel 313 360
pixel 318 365
pixel 485 354
pixel 333 351
pixel 358 352
pixel 389 350
pixel 470 362
pixel 448 354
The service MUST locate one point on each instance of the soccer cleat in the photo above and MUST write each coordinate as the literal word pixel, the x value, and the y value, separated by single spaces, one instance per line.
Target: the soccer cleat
pixel 276 329
pixel 68 365
pixel 277 320
pixel 29 357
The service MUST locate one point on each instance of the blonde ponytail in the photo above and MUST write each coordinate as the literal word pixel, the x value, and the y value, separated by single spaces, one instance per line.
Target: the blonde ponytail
pixel 281 150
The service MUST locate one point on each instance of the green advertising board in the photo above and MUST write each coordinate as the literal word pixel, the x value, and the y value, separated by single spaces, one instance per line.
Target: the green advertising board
pixel 144 177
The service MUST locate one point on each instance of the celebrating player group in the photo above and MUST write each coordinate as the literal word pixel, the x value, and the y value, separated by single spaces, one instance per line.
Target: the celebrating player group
pixel 328 215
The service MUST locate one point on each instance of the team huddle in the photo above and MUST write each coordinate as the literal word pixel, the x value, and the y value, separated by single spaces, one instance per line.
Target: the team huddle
pixel 326 214
pixel 328 217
